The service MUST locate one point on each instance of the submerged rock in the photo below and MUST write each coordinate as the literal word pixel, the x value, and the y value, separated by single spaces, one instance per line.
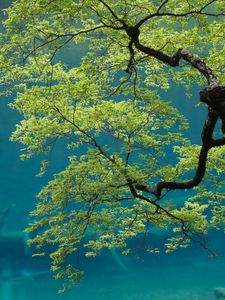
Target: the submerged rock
pixel 219 292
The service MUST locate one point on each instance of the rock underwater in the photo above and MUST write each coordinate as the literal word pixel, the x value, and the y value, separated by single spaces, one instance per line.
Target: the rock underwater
pixel 219 292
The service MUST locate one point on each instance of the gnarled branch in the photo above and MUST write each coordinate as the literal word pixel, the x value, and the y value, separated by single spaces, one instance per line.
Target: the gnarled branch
pixel 213 95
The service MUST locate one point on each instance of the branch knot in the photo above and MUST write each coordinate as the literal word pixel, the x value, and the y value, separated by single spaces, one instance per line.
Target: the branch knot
pixel 133 32
pixel 213 95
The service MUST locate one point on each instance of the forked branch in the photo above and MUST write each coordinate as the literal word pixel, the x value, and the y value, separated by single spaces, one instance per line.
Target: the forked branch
pixel 213 95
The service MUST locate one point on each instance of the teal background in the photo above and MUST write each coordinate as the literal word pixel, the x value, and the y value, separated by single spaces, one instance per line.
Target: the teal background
pixel 185 275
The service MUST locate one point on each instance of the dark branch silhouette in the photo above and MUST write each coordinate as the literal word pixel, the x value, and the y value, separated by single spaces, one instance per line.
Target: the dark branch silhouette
pixel 213 95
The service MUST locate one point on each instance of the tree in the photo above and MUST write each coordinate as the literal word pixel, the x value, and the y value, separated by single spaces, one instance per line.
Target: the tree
pixel 108 110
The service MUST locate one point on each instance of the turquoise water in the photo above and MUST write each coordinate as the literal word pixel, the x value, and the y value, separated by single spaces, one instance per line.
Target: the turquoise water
pixel 190 274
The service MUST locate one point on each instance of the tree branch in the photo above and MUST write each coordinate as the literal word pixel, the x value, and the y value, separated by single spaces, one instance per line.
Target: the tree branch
pixel 114 14
pixel 185 14
pixel 55 37
pixel 161 6
pixel 213 95
pixel 208 143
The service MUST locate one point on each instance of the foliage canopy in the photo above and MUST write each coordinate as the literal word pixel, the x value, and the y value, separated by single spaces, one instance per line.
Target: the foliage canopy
pixel 123 138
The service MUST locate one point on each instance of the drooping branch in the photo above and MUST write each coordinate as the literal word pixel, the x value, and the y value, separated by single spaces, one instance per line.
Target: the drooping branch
pixel 201 168
pixel 213 95
pixel 185 228
pixel 208 143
